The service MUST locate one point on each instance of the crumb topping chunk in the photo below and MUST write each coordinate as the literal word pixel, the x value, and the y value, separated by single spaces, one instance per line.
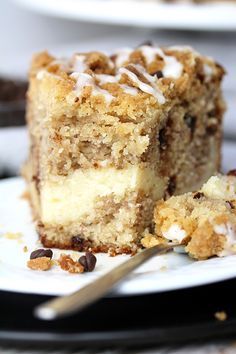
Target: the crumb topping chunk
pixel 131 70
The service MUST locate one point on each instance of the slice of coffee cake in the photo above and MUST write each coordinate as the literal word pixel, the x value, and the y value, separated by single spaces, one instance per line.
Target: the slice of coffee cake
pixel 112 135
pixel 203 221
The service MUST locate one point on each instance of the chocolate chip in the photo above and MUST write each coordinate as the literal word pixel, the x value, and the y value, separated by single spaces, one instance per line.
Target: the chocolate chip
pixel 212 113
pixel 212 129
pixel 41 253
pixel 83 262
pixel 171 185
pixel 162 138
pixel 77 242
pixel 88 261
pixel 198 195
pixel 232 173
pixel 146 43
pixel 158 74
pixel 190 121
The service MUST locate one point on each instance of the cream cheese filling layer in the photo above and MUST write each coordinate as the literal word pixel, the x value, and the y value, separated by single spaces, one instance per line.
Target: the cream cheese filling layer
pixel 69 199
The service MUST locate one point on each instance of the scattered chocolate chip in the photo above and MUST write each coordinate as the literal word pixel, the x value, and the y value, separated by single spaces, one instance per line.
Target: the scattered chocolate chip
pixel 190 121
pixel 198 195
pixel 83 262
pixel 88 261
pixel 41 253
pixel 158 74
pixel 231 205
pixel 171 185
pixel 231 173
pixel 145 43
pixel 76 99
pixel 162 138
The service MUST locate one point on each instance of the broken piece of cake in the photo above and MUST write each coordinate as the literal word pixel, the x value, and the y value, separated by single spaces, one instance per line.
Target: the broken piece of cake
pixel 203 221
pixel 111 135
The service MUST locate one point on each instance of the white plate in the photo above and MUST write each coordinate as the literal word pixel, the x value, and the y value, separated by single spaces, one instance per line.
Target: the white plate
pixel 141 13
pixel 168 272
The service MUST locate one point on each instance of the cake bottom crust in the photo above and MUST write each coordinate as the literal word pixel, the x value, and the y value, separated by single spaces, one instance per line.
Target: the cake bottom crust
pixel 87 245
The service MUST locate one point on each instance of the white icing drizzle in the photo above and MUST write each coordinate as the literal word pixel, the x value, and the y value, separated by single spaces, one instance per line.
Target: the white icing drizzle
pixel 141 69
pixel 83 80
pixel 129 90
pixel 151 88
pixel 229 231
pixel 78 63
pixel 104 79
pixel 208 69
pixel 172 67
pixel 41 73
pixel 122 55
pixel 220 187
pixel 175 233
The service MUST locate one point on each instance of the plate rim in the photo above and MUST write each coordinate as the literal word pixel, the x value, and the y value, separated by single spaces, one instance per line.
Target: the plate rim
pixel 106 13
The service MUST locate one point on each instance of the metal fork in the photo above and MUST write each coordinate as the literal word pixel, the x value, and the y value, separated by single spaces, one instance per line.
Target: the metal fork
pixel 69 304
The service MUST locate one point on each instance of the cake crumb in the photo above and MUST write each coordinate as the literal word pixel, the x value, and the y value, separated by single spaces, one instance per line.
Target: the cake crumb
pixel 221 315
pixel 25 195
pixel 150 240
pixel 54 262
pixel 13 235
pixel 25 249
pixel 41 263
pixel 68 264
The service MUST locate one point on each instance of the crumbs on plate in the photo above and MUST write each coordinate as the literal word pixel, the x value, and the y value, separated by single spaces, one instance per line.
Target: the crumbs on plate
pixel 13 235
pixel 68 264
pixel 42 263
pixel 41 259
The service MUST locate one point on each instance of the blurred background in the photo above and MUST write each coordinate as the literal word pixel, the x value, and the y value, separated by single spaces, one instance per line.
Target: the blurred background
pixel 65 26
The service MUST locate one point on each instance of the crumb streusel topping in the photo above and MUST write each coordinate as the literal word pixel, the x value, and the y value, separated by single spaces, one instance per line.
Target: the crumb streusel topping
pixel 204 221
